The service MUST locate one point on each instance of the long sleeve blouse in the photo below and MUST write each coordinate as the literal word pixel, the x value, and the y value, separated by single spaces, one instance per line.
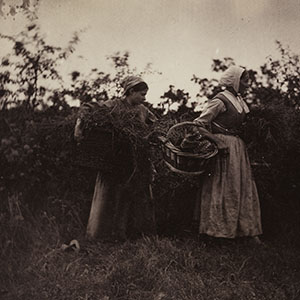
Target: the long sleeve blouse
pixel 213 108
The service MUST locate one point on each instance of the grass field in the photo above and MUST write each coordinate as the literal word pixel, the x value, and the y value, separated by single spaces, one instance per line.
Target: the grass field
pixel 34 266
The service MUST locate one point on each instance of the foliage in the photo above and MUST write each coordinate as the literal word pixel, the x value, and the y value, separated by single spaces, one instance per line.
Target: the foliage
pixel 31 67
pixel 283 75
pixel 34 161
pixel 98 85
pixel 176 105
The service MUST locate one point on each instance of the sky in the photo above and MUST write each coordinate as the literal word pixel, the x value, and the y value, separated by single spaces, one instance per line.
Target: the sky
pixel 179 37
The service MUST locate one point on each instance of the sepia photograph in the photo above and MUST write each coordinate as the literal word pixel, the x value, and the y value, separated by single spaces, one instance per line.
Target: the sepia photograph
pixel 149 150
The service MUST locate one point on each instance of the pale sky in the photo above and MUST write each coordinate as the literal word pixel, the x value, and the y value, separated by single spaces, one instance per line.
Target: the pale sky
pixel 179 37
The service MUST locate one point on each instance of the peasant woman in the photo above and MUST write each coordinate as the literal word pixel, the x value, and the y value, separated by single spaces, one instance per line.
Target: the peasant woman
pixel 113 203
pixel 229 203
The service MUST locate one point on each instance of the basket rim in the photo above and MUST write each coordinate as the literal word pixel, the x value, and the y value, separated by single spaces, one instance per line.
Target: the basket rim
pixel 174 149
pixel 200 128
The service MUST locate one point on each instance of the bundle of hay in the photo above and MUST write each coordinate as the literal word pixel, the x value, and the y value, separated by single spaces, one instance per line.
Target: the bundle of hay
pixel 114 143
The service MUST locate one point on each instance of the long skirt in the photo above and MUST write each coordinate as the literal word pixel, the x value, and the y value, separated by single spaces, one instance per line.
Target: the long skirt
pixel 229 204
pixel 117 212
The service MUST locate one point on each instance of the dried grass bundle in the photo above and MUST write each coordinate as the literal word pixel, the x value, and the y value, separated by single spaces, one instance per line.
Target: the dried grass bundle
pixel 115 142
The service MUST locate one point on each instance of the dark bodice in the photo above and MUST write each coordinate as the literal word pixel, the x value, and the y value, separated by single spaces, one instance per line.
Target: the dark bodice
pixel 229 121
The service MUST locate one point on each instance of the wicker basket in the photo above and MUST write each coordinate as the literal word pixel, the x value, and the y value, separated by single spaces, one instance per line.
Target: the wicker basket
pixel 184 162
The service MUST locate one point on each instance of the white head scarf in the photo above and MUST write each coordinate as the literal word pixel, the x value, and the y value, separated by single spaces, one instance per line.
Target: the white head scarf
pixel 231 78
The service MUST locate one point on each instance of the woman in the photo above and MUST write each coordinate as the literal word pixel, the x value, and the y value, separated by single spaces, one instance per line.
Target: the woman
pixel 112 203
pixel 229 204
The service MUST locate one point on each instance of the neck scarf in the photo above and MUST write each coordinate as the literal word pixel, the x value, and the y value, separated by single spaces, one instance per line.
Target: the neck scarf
pixel 237 101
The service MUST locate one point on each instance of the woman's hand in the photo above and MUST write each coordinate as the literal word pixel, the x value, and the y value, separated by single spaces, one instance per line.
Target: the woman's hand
pixel 222 147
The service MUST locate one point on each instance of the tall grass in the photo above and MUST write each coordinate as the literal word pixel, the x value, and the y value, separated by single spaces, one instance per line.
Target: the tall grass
pixel 34 266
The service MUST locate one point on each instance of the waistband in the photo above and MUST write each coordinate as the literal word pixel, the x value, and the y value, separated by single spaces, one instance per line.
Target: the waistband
pixel 217 128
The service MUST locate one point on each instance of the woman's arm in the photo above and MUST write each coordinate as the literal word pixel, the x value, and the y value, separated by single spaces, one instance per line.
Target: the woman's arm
pixel 211 111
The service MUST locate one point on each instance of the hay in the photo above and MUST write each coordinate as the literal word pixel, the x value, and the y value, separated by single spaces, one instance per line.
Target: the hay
pixel 115 143
pixel 187 137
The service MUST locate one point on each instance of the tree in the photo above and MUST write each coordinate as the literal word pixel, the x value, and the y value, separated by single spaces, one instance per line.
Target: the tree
pixel 27 71
pixel 98 85
pixel 283 75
